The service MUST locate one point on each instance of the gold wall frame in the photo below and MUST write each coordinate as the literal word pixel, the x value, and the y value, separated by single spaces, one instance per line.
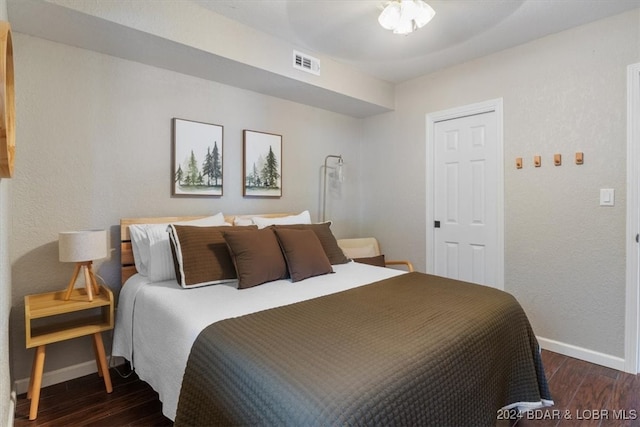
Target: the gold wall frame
pixel 7 103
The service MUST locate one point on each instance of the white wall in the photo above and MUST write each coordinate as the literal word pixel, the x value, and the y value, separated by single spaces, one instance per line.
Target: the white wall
pixel 564 255
pixel 95 146
pixel 5 288
pixel 5 302
pixel 94 136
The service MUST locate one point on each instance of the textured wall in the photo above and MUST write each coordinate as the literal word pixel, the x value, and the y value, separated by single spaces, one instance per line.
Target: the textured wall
pixel 5 286
pixel 5 302
pixel 95 146
pixel 94 139
pixel 564 255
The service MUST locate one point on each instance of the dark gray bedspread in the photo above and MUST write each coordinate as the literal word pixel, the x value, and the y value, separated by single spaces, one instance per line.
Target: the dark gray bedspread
pixel 411 350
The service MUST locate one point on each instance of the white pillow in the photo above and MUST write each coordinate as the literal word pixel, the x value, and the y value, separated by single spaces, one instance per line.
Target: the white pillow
pixel 140 247
pixel 242 222
pixel 301 218
pixel 151 248
pixel 208 221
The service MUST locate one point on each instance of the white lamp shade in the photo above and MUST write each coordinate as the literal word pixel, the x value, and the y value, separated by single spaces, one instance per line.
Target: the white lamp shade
pixel 81 246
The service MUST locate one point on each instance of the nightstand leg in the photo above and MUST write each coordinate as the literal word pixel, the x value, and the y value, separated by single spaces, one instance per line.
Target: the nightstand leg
pixel 101 359
pixel 36 382
pixel 98 364
pixel 33 374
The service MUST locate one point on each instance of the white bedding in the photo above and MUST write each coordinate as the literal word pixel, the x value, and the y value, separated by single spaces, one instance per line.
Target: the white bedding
pixel 157 337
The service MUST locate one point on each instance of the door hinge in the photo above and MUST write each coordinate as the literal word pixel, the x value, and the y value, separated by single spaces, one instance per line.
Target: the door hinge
pixel 436 224
pixel 637 237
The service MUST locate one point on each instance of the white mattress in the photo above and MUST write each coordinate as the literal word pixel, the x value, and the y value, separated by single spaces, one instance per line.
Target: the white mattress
pixel 157 323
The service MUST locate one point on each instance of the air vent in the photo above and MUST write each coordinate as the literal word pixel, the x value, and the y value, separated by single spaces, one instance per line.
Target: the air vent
pixel 306 63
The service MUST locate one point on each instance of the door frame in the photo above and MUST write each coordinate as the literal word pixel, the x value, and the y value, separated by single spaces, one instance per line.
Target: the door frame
pixel 632 298
pixel 493 105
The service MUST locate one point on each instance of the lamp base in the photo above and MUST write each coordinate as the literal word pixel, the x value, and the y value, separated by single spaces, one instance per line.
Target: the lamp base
pixel 90 283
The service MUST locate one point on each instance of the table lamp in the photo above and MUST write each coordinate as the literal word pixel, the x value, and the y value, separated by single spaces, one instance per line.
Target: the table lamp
pixel 82 247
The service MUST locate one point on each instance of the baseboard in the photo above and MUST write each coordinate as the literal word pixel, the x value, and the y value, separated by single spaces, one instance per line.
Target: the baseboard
pixel 591 356
pixel 60 375
pixel 13 399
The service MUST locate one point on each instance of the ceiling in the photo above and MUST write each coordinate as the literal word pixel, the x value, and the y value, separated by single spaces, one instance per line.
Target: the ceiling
pixel 348 31
pixel 362 62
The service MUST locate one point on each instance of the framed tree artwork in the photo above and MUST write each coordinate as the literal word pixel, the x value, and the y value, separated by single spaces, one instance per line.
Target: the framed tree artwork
pixel 197 158
pixel 262 169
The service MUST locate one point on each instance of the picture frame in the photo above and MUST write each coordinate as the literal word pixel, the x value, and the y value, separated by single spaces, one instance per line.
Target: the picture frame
pixel 262 164
pixel 198 152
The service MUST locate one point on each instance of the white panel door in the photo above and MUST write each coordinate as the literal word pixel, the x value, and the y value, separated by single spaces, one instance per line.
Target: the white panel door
pixel 465 198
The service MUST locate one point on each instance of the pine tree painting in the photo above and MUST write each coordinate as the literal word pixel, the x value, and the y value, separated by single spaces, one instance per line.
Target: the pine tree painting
pixel 197 158
pixel 262 164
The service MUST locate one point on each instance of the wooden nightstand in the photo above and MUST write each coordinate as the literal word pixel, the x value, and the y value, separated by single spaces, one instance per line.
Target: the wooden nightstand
pixel 74 318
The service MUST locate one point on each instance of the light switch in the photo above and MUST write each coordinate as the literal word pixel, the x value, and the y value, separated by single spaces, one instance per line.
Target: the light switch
pixel 607 197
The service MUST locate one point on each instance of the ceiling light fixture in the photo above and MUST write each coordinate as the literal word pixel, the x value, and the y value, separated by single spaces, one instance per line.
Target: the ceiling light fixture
pixel 405 16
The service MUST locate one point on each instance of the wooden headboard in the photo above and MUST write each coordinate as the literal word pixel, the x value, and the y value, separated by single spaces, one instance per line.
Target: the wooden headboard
pixel 127 265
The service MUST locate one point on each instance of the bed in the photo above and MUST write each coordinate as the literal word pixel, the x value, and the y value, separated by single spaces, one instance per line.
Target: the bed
pixel 359 345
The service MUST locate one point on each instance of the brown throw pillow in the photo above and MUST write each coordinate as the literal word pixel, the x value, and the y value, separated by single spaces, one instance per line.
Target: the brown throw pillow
pixel 256 255
pixel 326 237
pixel 378 260
pixel 304 254
pixel 201 256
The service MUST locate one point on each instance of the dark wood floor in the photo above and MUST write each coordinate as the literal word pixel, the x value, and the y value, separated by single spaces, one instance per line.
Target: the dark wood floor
pixel 585 394
pixel 84 402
